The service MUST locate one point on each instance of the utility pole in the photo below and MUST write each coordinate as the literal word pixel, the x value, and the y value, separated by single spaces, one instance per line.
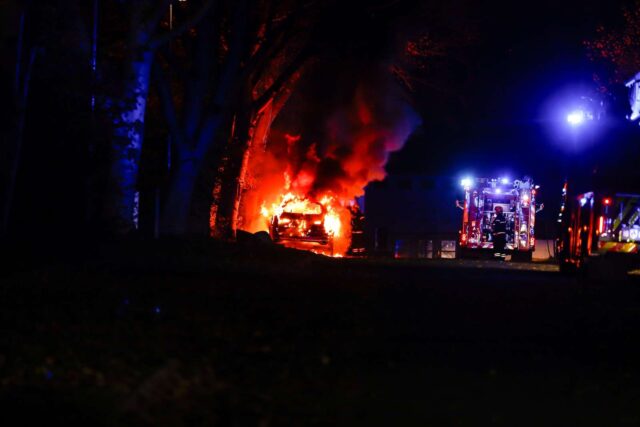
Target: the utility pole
pixel 91 148
pixel 157 204
pixel 94 54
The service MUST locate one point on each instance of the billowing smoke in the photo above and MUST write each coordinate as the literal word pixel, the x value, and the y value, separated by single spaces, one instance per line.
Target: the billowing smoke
pixel 358 142
pixel 350 151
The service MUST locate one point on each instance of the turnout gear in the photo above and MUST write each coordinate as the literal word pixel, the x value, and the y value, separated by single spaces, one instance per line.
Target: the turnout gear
pixel 499 227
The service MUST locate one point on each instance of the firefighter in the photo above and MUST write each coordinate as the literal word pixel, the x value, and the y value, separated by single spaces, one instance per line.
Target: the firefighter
pixel 499 229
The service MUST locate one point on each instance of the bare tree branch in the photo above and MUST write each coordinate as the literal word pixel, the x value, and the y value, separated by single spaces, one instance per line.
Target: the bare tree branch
pixel 273 36
pixel 27 75
pixel 19 48
pixel 259 62
pixel 166 100
pixel 283 78
pixel 154 19
pixel 177 66
pixel 159 40
pixel 196 86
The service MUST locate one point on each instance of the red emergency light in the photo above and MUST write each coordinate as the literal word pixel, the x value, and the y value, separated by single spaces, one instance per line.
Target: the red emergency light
pixel 607 201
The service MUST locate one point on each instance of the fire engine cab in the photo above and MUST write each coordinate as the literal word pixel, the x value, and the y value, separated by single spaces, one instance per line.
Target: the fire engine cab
pixel 518 201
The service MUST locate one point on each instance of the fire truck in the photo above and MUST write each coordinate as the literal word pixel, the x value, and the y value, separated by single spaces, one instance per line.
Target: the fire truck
pixel 599 223
pixel 599 232
pixel 518 201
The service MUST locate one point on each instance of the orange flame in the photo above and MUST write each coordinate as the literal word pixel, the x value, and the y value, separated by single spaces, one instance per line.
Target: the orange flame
pixel 329 170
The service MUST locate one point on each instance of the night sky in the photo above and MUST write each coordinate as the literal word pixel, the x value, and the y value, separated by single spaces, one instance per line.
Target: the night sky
pixel 532 67
pixel 526 59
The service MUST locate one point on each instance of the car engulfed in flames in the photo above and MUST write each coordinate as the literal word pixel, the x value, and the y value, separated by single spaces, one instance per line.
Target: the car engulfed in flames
pixel 298 219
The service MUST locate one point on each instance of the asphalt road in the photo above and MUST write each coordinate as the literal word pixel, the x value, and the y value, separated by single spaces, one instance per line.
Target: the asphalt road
pixel 291 339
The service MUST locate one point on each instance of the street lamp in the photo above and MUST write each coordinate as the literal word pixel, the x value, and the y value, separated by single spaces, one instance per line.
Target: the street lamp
pixel 587 110
pixel 576 118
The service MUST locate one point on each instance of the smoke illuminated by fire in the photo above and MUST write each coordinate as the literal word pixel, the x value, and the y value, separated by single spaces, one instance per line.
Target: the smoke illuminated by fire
pixel 295 174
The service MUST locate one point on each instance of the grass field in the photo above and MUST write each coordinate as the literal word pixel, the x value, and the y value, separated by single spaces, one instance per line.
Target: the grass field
pixel 202 333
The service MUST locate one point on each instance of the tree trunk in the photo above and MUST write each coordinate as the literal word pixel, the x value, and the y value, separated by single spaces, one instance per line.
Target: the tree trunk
pixel 127 120
pixel 256 140
pixel 178 203
pixel 254 131
pixel 228 181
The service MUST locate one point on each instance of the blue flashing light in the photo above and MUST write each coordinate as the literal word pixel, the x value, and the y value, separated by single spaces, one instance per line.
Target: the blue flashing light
pixel 498 190
pixel 466 182
pixel 576 118
pixel 583 201
pixel 505 180
pixel 157 310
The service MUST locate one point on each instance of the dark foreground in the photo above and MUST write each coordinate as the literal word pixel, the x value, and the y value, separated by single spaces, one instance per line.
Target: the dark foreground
pixel 252 335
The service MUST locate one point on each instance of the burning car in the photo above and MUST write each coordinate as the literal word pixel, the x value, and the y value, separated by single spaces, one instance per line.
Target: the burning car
pixel 303 220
